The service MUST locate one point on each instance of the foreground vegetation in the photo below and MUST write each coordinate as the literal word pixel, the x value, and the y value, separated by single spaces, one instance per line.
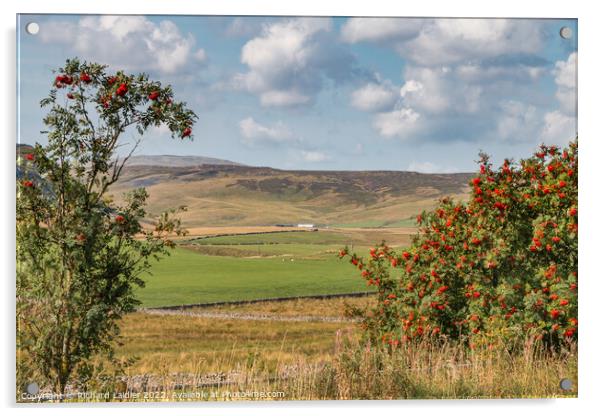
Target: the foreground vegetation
pixel 218 358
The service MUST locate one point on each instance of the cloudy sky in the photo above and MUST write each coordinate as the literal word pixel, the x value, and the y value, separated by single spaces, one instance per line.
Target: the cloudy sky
pixel 330 93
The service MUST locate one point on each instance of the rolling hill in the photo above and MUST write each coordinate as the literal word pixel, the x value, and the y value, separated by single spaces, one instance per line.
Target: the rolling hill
pixel 227 194
pixel 177 161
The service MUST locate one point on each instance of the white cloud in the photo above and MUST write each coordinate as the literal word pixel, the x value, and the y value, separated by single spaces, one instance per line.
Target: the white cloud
pixel 565 77
pixel 200 55
pixel 243 26
pixel 313 156
pixel 478 73
pixel 443 41
pixel 290 59
pixel 473 71
pixel 428 167
pixel 128 42
pixel 447 41
pixel 518 121
pixel 401 123
pixel 374 97
pixel 436 90
pixel 558 128
pixel 379 29
pixel 254 132
pixel 276 98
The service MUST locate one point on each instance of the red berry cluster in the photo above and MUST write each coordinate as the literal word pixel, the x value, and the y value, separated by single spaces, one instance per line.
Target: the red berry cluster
pixel 504 262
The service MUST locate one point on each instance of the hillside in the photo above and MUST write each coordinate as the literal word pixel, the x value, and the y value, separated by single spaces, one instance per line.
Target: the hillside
pixel 229 194
pixel 177 161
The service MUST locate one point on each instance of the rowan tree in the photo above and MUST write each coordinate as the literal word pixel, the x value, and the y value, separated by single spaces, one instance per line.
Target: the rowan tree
pixel 500 267
pixel 80 255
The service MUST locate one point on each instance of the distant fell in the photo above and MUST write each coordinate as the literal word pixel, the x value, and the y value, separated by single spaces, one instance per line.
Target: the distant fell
pixel 178 161
pixel 227 195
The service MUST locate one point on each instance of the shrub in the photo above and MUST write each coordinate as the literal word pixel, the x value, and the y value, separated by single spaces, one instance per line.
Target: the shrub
pixel 500 266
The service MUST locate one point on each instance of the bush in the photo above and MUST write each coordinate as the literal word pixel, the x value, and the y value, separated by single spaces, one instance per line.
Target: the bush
pixel 501 266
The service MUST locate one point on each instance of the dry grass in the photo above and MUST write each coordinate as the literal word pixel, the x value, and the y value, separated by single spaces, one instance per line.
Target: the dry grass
pixel 352 370
pixel 190 344
pixel 429 369
pixel 316 360
pixel 334 307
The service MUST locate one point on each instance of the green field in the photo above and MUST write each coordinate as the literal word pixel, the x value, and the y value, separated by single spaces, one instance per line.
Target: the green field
pixel 188 277
pixel 408 222
pixel 290 237
pixel 257 266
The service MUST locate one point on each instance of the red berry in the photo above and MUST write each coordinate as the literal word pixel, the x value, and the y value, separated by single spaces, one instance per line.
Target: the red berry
pixel 85 77
pixel 119 219
pixel 122 89
pixel 29 156
pixel 153 95
pixel 27 184
pixel 187 132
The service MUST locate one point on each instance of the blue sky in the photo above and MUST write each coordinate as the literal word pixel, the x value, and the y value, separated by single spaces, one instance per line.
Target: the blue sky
pixel 330 93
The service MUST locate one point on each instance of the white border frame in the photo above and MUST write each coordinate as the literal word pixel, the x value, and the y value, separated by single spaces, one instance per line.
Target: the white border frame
pixel 590 33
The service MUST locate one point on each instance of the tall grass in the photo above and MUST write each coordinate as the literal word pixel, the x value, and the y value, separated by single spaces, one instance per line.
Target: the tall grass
pixel 430 369
pixel 415 370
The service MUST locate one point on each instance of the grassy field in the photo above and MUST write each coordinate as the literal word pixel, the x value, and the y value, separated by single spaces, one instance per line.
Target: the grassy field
pixel 205 345
pixel 187 277
pixel 316 308
pixel 289 237
pixel 258 266
pixel 408 222
pixel 316 360
pixel 264 347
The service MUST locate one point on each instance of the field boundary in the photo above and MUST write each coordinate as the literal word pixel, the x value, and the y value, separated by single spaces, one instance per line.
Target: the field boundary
pixel 251 233
pixel 251 301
